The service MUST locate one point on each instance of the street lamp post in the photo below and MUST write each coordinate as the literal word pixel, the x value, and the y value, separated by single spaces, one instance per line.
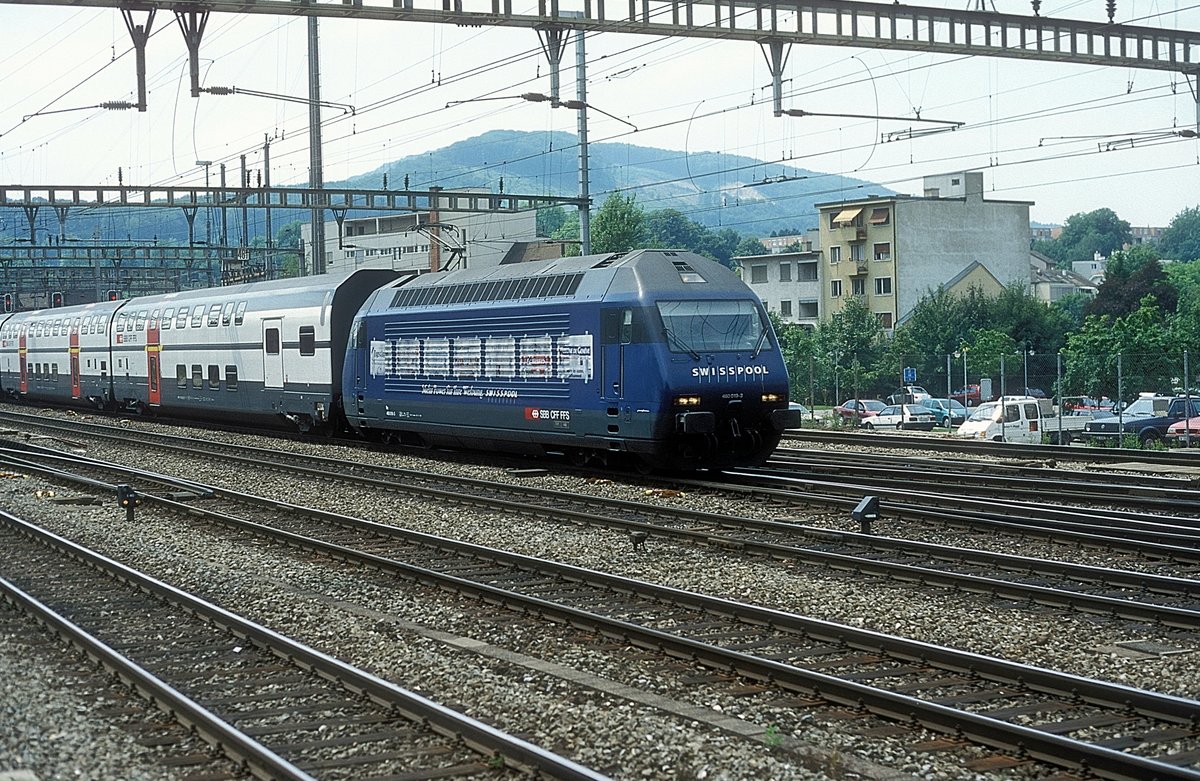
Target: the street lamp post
pixel 1028 352
pixel 962 353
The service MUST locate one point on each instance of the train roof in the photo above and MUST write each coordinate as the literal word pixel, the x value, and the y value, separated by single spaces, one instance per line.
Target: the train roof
pixel 628 274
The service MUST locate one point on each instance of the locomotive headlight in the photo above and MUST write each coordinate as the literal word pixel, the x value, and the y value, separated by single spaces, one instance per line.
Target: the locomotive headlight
pixel 687 401
pixel 772 397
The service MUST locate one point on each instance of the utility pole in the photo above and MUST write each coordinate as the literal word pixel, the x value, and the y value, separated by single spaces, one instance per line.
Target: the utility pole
pixel 585 217
pixel 316 176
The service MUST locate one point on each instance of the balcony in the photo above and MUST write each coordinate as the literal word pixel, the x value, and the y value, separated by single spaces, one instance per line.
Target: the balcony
pixel 860 234
pixel 860 267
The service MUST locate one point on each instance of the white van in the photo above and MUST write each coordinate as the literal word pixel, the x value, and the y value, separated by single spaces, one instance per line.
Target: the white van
pixel 1021 419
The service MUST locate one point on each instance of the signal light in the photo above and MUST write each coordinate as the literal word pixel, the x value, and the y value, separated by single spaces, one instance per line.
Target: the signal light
pixel 56 299
pixel 9 302
pixel 114 295
pixel 127 498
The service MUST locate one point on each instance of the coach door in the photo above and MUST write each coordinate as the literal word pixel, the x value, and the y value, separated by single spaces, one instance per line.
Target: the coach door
pixel 617 331
pixel 74 352
pixel 272 333
pixel 153 361
pixel 23 359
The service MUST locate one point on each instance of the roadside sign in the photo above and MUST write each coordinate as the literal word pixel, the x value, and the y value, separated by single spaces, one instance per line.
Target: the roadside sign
pixel 910 375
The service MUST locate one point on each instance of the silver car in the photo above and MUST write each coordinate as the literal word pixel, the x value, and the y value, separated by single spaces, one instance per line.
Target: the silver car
pixel 913 417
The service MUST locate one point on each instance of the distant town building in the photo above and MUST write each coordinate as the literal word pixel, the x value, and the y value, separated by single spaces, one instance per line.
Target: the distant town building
pixel 892 251
pixel 1091 270
pixel 405 241
pixel 805 241
pixel 1045 232
pixel 1145 235
pixel 788 283
pixel 1051 283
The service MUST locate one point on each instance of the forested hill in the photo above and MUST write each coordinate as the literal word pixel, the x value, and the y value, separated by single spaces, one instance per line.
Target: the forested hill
pixel 712 188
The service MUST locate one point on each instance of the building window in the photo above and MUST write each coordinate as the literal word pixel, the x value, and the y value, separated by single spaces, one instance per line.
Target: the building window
pixel 835 288
pixel 858 286
pixel 883 250
pixel 758 274
pixel 883 286
pixel 880 216
pixel 785 308
pixel 785 272
pixel 884 318
pixel 808 309
pixel 857 252
pixel 835 254
pixel 806 272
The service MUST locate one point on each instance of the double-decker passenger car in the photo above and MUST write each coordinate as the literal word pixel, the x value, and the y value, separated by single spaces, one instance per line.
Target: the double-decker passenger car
pixel 269 352
pixel 657 354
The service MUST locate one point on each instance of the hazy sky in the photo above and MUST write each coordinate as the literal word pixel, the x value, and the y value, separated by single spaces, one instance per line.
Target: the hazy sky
pixel 1069 138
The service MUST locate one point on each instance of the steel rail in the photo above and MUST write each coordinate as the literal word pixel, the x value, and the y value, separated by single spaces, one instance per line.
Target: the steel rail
pixel 481 737
pixel 260 760
pixel 1105 762
pixel 1167 615
pixel 1106 455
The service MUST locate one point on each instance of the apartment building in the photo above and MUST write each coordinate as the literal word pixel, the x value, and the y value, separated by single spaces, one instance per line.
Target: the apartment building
pixel 788 283
pixel 891 251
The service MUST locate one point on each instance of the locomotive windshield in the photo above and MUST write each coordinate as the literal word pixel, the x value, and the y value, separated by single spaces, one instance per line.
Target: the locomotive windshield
pixel 712 326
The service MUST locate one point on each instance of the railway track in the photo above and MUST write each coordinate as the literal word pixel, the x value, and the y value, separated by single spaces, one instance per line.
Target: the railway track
pixel 1119 733
pixel 282 709
pixel 1167 599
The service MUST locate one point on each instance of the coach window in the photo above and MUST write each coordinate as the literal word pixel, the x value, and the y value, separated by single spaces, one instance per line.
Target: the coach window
pixel 141 320
pixel 231 378
pixel 168 316
pixel 214 377
pixel 308 340
pixel 227 315
pixel 271 341
pixel 214 315
pixel 240 315
pixel 181 318
pixel 181 375
pixel 54 372
pixel 198 316
pixel 120 322
pixel 197 376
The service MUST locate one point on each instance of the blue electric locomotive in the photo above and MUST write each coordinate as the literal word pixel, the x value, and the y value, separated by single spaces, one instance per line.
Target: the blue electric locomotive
pixel 658 355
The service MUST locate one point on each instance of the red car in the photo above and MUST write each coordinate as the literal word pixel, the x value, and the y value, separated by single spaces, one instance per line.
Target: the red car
pixel 969 396
pixel 858 409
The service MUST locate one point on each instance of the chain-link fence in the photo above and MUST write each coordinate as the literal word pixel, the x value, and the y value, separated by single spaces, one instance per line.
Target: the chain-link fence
pixel 1072 379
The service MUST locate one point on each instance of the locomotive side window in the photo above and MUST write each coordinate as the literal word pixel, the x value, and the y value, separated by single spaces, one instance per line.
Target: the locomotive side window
pixel 181 375
pixel 197 376
pixel 214 377
pixel 308 340
pixel 272 341
pixel 231 378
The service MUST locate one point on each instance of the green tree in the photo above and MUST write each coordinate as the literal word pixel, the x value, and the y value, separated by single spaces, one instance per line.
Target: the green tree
pixel 719 245
pixel 619 225
pixel 1142 338
pixel 568 233
pixel 1085 234
pixel 751 246
pixel 1128 278
pixel 669 229
pixel 550 219
pixel 1181 239
pixel 288 234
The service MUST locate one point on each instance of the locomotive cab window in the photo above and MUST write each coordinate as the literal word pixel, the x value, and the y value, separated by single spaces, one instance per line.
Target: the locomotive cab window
pixel 712 326
pixel 308 340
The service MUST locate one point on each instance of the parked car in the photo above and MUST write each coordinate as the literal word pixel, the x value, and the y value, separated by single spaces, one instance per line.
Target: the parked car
pixel 968 396
pixel 909 394
pixel 948 412
pixel 1036 393
pixel 1087 403
pixel 1148 418
pixel 858 409
pixel 803 410
pixel 913 417
pixel 1023 420
pixel 1184 433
